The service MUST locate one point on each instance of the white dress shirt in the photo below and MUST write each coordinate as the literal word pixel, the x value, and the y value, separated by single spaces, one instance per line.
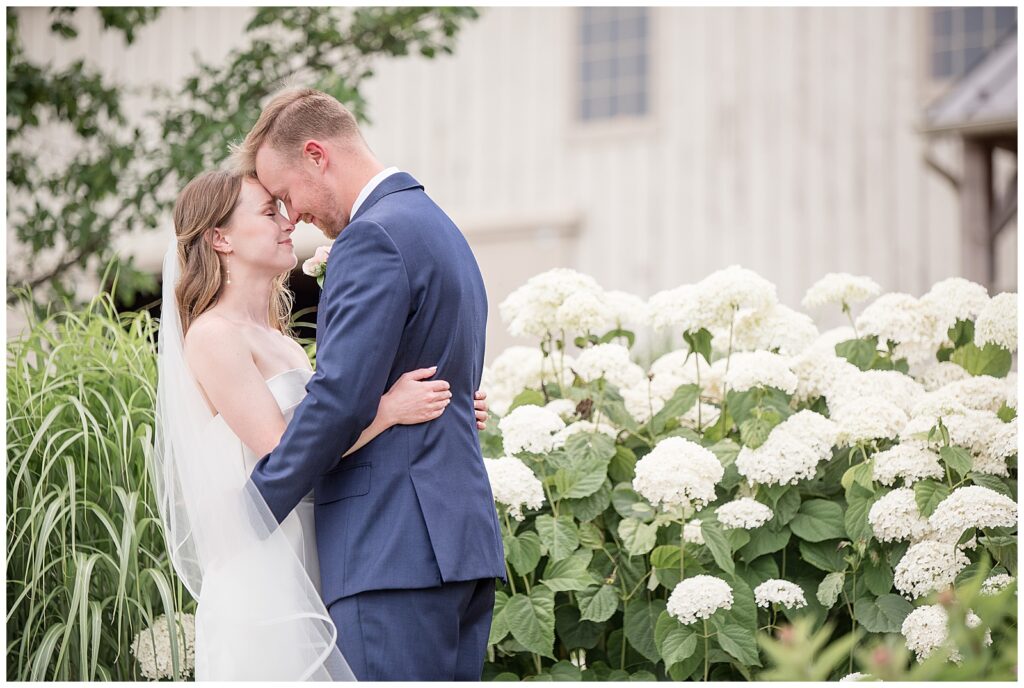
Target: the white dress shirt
pixel 370 186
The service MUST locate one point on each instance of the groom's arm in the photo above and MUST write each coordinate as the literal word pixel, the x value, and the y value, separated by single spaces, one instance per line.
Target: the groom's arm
pixel 366 299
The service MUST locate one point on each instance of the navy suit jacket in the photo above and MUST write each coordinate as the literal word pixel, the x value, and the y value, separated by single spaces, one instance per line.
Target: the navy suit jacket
pixel 413 508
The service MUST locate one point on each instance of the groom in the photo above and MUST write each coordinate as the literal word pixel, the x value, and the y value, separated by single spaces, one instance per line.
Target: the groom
pixel 407 533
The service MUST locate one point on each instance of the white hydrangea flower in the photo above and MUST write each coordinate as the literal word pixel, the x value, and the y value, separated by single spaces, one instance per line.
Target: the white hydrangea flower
pixel 974 621
pixel 676 309
pixel 868 418
pixel 996 449
pixel 630 312
pixel 936 375
pixel 956 299
pixel 751 369
pixel 854 384
pixel 678 473
pixel 641 402
pixel 818 371
pixel 513 370
pixel 680 365
pixel 1010 387
pixel 911 461
pixel 778 328
pixel 905 320
pixel 610 361
pixel 532 308
pixel 713 388
pixel 531 428
pixel 565 408
pixel 997 323
pixel 996 584
pixel 856 676
pixel 732 289
pixel 585 311
pixel 928 566
pixel 744 513
pixel 982 393
pixel 926 629
pixel 152 647
pixel 588 427
pixel 791 453
pixel 514 485
pixel 973 506
pixel 840 288
pixel 782 592
pixel 896 517
pixel 828 339
pixel 695 599
pixel 692 532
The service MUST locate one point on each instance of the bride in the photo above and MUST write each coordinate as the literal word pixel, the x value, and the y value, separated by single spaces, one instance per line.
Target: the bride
pixel 230 377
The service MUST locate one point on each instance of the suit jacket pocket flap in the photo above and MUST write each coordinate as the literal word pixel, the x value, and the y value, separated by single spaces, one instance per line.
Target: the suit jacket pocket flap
pixel 349 481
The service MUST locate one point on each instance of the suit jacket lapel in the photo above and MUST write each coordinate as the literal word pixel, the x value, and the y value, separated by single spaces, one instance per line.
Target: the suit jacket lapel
pixel 400 181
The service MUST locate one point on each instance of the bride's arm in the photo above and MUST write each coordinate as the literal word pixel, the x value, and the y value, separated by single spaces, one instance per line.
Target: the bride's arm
pixel 222 364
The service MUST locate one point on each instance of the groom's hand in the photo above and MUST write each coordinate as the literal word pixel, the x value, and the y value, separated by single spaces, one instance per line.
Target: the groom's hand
pixel 481 409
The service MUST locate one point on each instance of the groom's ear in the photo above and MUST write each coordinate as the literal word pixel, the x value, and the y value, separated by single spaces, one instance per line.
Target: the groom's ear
pixel 315 152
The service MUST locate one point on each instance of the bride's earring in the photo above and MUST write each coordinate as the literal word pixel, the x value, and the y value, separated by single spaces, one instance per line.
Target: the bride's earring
pixel 227 268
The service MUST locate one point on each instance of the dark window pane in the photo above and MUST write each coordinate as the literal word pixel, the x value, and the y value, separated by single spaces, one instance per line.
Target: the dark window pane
pixel 942 64
pixel 1005 17
pixel 974 18
pixel 971 56
pixel 942 22
pixel 612 61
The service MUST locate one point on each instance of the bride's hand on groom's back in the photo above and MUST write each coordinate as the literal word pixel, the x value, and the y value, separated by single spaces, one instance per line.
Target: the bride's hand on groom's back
pixel 481 409
pixel 415 399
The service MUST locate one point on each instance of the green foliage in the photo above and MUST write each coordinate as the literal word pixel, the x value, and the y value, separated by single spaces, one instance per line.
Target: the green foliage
pixel 123 175
pixel 87 566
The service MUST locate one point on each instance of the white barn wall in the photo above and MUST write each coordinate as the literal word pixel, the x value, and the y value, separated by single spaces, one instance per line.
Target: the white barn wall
pixel 783 139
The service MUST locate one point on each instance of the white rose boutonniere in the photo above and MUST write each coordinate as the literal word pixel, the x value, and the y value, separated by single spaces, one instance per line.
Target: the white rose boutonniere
pixel 317 265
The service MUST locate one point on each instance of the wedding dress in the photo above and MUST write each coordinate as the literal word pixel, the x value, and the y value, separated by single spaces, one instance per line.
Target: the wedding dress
pixel 259 614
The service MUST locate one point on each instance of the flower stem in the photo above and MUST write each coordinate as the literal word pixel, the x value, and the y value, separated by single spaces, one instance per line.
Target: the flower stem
pixel 682 550
pixel 706 664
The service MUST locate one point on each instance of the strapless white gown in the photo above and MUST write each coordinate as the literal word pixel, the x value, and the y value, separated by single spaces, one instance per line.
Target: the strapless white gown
pixel 288 389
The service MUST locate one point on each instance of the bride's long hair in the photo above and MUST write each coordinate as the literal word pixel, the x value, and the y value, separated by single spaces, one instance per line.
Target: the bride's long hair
pixel 207 202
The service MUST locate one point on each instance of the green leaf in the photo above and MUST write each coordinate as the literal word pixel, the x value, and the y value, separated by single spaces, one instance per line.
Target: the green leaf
pixel 523 552
pixel 738 642
pixel 862 473
pixel 681 401
pixel 591 536
pixel 829 589
pixel 859 503
pixel 717 543
pixel 787 504
pixel 526 398
pixel 575 632
pixel 598 604
pixel 640 619
pixel 754 431
pixel 884 614
pixel 531 620
pixel 565 671
pixel 631 505
pixel 588 508
pixel 763 540
pixel 570 573
pixel 878 575
pixel 699 343
pixel 622 468
pixel 675 641
pixel 499 625
pixel 957 458
pixel 638 537
pixel 860 352
pixel 991 360
pixel 581 479
pixel 992 482
pixel 586 447
pixel 819 520
pixel 559 537
pixel 928 494
pixel 826 555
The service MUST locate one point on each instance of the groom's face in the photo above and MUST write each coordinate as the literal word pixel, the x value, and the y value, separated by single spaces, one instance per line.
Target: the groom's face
pixel 302 186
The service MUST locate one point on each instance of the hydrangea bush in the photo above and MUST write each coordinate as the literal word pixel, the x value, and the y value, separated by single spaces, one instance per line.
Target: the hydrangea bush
pixel 664 521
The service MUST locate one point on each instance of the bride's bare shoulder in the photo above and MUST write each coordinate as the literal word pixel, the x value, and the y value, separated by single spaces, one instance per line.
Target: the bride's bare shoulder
pixel 210 337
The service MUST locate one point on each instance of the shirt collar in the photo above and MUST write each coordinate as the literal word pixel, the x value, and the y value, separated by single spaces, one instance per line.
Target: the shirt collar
pixel 370 186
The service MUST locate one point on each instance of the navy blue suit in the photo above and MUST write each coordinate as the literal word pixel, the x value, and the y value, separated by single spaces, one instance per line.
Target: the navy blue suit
pixel 407 533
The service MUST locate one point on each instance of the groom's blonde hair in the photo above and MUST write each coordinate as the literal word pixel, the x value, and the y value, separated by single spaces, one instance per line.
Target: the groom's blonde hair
pixel 292 117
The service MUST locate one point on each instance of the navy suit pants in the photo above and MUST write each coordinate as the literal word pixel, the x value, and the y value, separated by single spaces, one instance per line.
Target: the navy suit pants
pixel 425 634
